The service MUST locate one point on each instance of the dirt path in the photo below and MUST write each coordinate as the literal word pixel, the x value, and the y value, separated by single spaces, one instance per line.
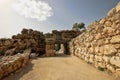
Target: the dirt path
pixel 59 68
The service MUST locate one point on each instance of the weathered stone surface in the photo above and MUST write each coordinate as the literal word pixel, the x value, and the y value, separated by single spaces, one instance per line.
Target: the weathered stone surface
pixel 115 39
pixel 108 49
pixel 28 38
pixel 98 58
pixel 10 64
pixel 106 59
pixel 115 61
pixel 111 12
pixel 111 68
pixel 102 41
pixel 118 7
pixel 10 52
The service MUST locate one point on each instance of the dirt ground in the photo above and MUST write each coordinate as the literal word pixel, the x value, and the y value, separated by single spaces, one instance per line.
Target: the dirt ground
pixel 59 68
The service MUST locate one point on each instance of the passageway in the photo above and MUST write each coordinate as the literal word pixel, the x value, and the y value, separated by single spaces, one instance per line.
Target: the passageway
pixel 62 67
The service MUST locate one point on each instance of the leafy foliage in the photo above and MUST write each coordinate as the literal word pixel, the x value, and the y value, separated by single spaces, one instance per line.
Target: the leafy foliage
pixel 78 26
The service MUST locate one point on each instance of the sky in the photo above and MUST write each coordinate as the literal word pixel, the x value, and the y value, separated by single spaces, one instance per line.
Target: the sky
pixel 48 15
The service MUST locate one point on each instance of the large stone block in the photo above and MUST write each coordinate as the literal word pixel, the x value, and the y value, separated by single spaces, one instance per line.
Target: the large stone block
pixel 111 68
pixel 106 59
pixel 115 39
pixel 115 61
pixel 118 7
pixel 108 49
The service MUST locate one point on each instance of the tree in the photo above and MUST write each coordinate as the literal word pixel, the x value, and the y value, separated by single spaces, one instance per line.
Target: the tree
pixel 78 26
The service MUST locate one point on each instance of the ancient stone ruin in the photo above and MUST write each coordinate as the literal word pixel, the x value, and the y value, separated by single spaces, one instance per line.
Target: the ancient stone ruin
pixel 28 38
pixel 100 43
pixel 13 55
pixel 58 38
pixel 10 64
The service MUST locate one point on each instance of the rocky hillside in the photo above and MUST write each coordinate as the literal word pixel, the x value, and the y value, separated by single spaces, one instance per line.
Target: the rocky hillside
pixel 100 43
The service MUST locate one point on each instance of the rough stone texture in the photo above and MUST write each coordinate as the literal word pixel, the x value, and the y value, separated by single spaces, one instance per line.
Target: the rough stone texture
pixel 59 37
pixel 100 43
pixel 27 39
pixel 10 64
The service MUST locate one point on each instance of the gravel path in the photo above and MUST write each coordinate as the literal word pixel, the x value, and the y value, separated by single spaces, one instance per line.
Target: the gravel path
pixel 59 68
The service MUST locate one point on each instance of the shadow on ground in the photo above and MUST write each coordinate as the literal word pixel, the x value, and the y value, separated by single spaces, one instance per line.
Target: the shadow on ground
pixel 57 55
pixel 20 73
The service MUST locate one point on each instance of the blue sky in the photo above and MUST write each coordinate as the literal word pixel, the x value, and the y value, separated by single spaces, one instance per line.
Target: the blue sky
pixel 65 14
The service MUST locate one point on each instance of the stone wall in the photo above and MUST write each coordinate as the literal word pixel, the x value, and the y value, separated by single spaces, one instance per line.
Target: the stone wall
pixel 100 43
pixel 10 64
pixel 28 38
pixel 58 37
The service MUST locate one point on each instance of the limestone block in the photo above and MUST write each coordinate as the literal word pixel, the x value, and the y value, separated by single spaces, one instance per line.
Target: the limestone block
pixel 101 42
pixel 107 40
pixel 91 50
pixel 86 59
pixel 106 59
pixel 96 64
pixel 117 46
pixel 97 49
pixel 117 21
pixel 102 21
pixel 118 7
pixel 111 12
pixel 92 56
pixel 98 36
pixel 111 68
pixel 108 23
pixel 109 31
pixel 118 71
pixel 91 60
pixel 113 25
pixel 116 17
pixel 87 44
pixel 88 55
pixel 108 49
pixel 100 64
pixel 115 61
pixel 83 57
pixel 115 39
pixel 98 58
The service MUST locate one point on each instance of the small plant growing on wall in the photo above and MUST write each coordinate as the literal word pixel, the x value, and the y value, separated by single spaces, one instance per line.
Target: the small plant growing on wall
pixel 101 68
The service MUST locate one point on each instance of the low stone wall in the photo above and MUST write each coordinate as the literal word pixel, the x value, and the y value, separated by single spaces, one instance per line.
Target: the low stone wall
pixel 100 43
pixel 10 64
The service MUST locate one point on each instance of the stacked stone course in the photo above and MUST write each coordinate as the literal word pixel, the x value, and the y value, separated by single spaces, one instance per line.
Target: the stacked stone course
pixel 10 64
pixel 100 43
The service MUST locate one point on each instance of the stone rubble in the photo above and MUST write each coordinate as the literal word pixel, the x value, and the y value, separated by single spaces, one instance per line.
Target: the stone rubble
pixel 10 64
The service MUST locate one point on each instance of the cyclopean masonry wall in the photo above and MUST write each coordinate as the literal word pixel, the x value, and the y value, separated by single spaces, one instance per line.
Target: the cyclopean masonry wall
pixel 59 37
pixel 28 38
pixel 9 64
pixel 100 43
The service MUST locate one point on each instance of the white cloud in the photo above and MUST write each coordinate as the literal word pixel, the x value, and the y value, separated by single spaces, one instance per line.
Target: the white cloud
pixel 33 9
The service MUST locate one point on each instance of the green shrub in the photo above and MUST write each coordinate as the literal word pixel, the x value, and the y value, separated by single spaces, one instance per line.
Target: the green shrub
pixel 101 68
